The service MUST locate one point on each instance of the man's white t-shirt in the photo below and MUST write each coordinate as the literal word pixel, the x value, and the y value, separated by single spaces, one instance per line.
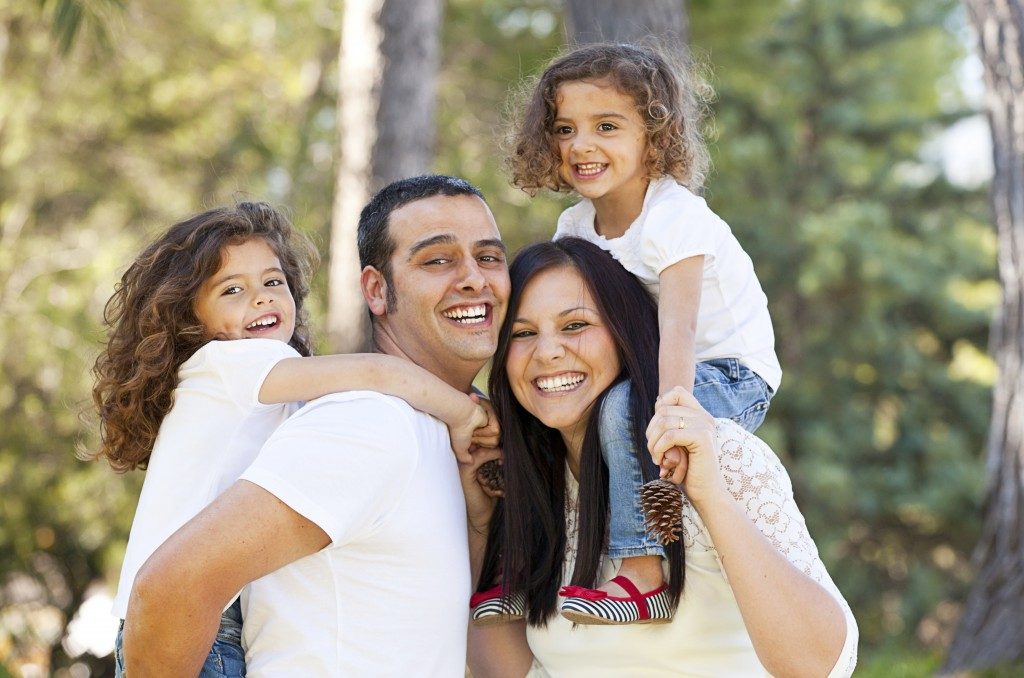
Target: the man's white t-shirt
pixel 389 595
pixel 674 224
pixel 212 433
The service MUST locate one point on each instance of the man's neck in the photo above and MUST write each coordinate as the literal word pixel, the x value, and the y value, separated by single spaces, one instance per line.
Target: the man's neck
pixel 453 373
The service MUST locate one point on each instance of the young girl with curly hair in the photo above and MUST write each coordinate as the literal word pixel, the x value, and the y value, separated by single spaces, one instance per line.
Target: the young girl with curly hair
pixel 179 396
pixel 619 125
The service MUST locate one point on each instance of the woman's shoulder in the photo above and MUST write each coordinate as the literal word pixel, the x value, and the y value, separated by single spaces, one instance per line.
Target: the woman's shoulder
pixel 747 462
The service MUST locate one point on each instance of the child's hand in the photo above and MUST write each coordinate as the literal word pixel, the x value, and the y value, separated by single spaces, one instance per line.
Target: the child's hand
pixel 488 435
pixel 480 499
pixel 462 432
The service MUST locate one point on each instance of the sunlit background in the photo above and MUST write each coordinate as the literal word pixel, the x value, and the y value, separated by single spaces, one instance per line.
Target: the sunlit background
pixel 849 160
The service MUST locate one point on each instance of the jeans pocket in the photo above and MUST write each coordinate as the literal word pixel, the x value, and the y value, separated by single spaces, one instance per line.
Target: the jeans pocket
pixel 752 417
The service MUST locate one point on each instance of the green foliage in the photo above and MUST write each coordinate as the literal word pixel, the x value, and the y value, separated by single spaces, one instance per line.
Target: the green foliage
pixel 879 278
pixel 189 105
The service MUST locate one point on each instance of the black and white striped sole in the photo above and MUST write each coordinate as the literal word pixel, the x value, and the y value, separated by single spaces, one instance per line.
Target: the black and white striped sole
pixel 500 610
pixel 616 612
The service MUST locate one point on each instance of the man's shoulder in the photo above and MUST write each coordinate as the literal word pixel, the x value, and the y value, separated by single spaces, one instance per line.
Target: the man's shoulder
pixel 353 411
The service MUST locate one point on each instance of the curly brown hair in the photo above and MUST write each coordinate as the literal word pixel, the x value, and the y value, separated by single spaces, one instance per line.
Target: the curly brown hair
pixel 153 328
pixel 666 96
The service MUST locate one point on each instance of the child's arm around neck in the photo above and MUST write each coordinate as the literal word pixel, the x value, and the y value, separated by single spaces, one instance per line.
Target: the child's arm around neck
pixel 297 379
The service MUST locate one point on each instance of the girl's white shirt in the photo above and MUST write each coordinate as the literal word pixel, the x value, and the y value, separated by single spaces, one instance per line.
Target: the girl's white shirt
pixel 674 224
pixel 706 637
pixel 214 430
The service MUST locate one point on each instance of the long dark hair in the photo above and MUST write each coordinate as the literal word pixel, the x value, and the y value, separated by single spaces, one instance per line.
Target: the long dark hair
pixel 153 328
pixel 527 538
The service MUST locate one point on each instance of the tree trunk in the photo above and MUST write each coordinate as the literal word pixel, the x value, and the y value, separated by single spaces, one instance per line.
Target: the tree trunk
pixel 626 21
pixel 991 630
pixel 387 69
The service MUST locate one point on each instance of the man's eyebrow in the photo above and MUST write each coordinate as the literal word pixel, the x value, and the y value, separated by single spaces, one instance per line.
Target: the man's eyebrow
pixel 492 242
pixel 442 239
pixel 450 239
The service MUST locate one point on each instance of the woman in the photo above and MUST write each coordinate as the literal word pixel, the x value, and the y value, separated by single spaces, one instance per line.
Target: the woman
pixel 752 594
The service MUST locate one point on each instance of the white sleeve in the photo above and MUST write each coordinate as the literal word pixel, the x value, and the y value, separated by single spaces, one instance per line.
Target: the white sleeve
pixel 341 461
pixel 241 366
pixel 679 229
pixel 758 481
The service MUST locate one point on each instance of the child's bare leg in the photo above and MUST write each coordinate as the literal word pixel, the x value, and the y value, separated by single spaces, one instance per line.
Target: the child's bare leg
pixel 644 571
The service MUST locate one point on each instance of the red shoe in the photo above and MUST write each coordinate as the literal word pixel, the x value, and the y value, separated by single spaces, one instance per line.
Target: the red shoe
pixel 492 607
pixel 591 606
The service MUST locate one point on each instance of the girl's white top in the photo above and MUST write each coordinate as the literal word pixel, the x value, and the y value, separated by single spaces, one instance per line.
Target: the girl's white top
pixel 706 638
pixel 675 224
pixel 212 433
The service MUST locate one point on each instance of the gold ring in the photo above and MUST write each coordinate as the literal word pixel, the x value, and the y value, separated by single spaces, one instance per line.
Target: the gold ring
pixel 682 423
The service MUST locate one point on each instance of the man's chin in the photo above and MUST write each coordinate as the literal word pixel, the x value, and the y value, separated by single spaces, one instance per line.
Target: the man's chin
pixel 473 351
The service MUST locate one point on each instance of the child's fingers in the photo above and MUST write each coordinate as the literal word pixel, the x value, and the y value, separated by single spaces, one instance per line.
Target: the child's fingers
pixel 489 434
pixel 677 396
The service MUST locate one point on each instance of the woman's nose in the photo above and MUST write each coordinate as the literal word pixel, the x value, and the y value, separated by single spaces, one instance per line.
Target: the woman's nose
pixel 549 348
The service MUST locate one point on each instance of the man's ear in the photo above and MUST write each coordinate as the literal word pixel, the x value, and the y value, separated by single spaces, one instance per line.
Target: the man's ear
pixel 375 290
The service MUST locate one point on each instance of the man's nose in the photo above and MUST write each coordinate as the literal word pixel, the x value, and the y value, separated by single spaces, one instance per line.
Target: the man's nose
pixel 470 276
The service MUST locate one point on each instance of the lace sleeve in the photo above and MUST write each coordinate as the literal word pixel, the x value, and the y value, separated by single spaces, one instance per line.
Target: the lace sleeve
pixel 759 482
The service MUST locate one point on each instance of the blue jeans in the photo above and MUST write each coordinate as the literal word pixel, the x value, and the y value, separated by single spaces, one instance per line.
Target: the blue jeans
pixel 226 658
pixel 724 387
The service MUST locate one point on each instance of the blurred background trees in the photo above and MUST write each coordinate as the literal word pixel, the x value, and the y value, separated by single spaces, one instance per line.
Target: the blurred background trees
pixel 833 164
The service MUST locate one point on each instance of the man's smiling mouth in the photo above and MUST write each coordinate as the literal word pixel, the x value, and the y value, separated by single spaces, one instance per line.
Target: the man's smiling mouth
pixel 467 315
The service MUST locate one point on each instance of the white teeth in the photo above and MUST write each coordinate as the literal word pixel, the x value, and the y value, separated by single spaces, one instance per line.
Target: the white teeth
pixel 262 322
pixel 563 382
pixel 470 315
pixel 589 168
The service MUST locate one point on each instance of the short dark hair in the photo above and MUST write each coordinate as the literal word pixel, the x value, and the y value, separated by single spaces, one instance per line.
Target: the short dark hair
pixel 374 239
pixel 527 539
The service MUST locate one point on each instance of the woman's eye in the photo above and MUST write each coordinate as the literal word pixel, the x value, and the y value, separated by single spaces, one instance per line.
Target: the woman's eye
pixel 522 334
pixel 576 325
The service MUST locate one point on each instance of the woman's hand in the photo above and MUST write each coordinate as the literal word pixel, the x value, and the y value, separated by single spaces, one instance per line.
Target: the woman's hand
pixel 681 437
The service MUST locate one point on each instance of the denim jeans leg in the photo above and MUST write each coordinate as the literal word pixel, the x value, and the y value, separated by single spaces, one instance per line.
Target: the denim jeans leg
pixel 119 652
pixel 727 388
pixel 227 658
pixel 627 535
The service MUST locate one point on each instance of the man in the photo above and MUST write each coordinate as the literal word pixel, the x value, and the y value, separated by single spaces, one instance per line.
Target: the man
pixel 357 497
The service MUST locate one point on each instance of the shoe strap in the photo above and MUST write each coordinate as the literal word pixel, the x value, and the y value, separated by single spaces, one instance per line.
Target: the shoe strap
pixel 635 595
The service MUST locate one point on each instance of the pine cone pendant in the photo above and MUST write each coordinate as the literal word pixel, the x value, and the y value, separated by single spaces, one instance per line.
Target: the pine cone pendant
pixel 662 502
pixel 492 475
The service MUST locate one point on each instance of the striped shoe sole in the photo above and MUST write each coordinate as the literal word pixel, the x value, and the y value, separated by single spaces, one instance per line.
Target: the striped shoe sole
pixel 615 612
pixel 499 610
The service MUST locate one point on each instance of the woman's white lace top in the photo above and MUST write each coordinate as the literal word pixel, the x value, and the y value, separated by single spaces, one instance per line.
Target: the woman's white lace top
pixel 707 636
